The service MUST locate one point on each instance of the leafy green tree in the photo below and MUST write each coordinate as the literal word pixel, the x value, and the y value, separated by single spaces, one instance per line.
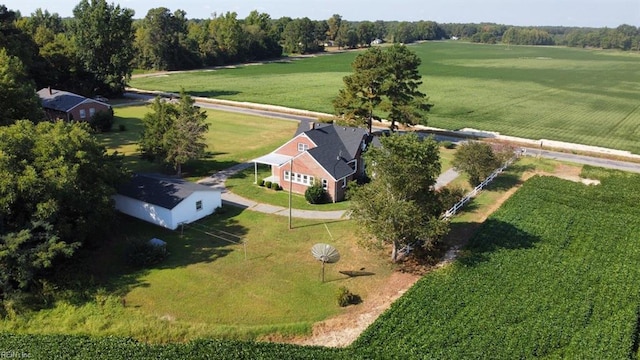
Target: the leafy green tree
pixel 18 99
pixel 477 160
pixel 299 36
pixel 186 141
pixel 334 24
pixel 407 105
pixel 366 33
pixel 262 38
pixel 159 39
pixel 227 33
pixel 384 80
pixel 104 40
pixel 20 44
pixel 157 124
pixel 400 206
pixel 342 35
pixel 56 183
pixel 174 133
pixel 364 88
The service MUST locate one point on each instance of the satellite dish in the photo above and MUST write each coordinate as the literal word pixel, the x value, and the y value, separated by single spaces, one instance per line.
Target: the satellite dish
pixel 325 253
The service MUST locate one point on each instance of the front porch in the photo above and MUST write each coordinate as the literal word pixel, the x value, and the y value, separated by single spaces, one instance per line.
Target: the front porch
pixel 272 160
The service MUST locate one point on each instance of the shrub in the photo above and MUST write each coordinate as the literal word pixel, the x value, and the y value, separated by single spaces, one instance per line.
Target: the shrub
pixel 141 253
pixel 267 184
pixel 275 186
pixel 102 121
pixel 261 182
pixel 346 297
pixel 315 194
pixel 450 196
pixel 448 144
pixel 122 127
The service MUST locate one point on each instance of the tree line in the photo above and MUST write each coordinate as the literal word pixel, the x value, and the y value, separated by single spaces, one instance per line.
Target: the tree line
pixel 96 50
pixel 624 37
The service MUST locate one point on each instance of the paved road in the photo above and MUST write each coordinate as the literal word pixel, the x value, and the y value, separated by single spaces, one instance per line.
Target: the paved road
pixel 304 124
pixel 585 160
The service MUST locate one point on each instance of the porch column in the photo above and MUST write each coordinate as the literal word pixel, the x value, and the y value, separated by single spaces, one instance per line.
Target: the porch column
pixel 255 172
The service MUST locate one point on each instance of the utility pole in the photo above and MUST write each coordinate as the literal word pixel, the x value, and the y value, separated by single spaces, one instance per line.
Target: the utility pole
pixel 290 189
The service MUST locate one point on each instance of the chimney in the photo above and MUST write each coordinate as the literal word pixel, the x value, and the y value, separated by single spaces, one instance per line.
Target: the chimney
pixel 312 125
pixel 50 92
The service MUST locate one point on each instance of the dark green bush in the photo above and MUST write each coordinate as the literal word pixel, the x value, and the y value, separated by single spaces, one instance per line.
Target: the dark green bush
pixel 122 127
pixel 315 194
pixel 267 184
pixel 261 182
pixel 450 196
pixel 275 186
pixel 448 144
pixel 102 121
pixel 141 253
pixel 346 297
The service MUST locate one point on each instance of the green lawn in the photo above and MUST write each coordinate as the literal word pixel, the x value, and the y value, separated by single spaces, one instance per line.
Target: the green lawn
pixel 207 288
pixel 232 138
pixel 566 94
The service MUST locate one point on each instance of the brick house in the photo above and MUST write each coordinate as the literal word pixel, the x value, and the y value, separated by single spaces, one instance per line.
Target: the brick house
pixel 58 104
pixel 327 153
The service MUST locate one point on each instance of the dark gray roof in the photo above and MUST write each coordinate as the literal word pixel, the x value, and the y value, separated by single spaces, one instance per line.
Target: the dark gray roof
pixel 336 147
pixel 160 190
pixel 60 100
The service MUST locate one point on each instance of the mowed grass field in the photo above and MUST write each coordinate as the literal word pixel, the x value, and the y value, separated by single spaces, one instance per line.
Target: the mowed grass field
pixel 207 288
pixel 232 139
pixel 575 95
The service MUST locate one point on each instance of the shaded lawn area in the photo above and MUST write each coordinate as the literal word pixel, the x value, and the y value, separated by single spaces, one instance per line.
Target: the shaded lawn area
pixel 206 288
pixel 232 139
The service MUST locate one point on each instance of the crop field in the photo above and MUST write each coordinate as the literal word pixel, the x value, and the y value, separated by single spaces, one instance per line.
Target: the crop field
pixel 582 96
pixel 553 273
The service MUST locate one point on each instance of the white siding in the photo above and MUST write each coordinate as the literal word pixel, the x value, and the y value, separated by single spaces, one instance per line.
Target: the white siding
pixel 184 212
pixel 144 211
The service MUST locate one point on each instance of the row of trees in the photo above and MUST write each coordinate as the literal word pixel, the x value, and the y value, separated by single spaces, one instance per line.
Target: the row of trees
pixel 624 37
pixel 56 183
pixel 96 50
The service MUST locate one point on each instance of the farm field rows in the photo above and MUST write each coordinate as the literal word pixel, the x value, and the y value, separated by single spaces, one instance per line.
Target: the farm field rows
pixel 574 95
pixel 551 274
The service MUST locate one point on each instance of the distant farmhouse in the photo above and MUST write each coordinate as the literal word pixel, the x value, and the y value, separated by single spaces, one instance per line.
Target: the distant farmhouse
pixel 328 154
pixel 58 104
pixel 165 201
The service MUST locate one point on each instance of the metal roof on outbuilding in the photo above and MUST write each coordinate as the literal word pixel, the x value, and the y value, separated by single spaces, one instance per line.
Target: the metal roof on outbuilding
pixel 160 190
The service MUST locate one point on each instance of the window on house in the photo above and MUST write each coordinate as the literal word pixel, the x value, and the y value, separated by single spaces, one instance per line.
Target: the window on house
pixel 83 113
pixel 325 184
pixel 303 147
pixel 198 205
pixel 92 111
pixel 299 178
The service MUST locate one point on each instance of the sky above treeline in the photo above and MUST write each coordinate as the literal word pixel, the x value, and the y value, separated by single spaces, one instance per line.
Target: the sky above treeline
pixel 583 13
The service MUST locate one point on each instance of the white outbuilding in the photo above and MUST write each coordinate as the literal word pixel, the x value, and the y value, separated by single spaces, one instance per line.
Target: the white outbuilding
pixel 165 201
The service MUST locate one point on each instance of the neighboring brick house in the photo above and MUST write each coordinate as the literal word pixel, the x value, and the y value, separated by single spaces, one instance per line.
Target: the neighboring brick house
pixel 58 104
pixel 328 154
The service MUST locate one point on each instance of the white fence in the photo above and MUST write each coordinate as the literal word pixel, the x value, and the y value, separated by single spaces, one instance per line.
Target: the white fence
pixel 460 204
